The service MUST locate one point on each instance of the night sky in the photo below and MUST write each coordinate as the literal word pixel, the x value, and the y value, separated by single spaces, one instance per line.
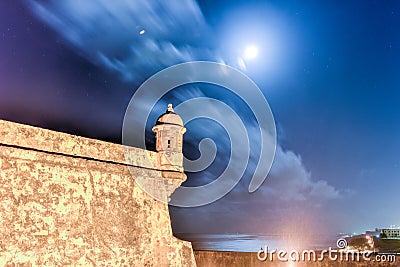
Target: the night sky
pixel 330 71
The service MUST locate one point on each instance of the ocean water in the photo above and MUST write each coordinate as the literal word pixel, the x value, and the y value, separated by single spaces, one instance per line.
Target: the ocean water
pixel 252 243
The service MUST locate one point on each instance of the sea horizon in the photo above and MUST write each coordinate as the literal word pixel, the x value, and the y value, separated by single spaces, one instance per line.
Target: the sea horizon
pixel 253 242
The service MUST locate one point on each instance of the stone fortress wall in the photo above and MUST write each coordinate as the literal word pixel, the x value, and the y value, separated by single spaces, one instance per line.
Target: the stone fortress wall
pixel 69 200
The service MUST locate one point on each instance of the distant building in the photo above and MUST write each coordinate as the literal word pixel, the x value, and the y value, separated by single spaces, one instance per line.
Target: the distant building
pixel 390 233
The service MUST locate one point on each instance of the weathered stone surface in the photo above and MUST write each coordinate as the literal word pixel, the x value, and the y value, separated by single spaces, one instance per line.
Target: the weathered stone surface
pixel 68 200
pixel 26 136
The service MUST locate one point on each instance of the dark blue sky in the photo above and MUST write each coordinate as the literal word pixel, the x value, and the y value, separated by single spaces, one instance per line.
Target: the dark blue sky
pixel 329 70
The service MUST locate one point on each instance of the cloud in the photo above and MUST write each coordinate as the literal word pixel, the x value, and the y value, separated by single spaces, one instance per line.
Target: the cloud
pixel 289 180
pixel 131 38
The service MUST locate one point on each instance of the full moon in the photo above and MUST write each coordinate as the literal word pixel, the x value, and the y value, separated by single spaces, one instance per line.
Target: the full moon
pixel 250 52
